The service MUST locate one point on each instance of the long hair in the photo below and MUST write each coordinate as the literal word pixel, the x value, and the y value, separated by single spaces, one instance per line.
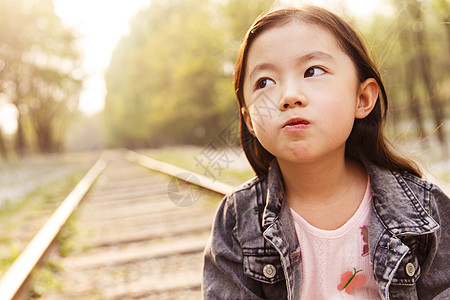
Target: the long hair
pixel 366 141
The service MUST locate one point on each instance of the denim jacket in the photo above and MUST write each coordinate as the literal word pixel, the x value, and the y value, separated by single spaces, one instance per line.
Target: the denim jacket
pixel 253 252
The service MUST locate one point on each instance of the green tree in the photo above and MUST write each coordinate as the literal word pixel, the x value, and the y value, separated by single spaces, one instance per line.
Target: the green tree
pixel 40 57
pixel 442 10
pixel 170 78
pixel 415 62
pixel 163 76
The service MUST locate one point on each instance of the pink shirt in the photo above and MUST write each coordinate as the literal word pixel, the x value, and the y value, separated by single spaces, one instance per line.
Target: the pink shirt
pixel 330 258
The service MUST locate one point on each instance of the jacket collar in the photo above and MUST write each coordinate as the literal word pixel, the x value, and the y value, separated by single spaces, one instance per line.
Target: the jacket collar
pixel 394 202
pixel 275 194
pixel 396 205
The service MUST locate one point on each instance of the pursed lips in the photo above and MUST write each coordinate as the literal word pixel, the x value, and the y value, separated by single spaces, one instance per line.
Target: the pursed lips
pixel 296 123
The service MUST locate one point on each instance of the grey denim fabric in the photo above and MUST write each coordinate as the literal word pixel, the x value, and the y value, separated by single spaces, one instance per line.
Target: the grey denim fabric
pixel 253 252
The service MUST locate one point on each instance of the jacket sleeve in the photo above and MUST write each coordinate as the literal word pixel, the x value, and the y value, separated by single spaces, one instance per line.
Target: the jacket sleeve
pixel 436 281
pixel 223 273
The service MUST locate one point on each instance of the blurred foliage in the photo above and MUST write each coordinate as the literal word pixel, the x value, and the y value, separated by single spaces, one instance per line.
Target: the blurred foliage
pixel 170 79
pixel 83 133
pixel 412 47
pixel 39 73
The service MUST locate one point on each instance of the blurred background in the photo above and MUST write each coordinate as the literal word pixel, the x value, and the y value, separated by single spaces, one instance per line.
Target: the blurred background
pixel 87 75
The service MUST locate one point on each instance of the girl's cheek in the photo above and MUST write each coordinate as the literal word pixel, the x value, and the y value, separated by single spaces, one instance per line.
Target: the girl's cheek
pixel 265 97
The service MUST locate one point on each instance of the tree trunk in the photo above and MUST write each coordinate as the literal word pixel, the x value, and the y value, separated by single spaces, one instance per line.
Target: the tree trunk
pixel 443 11
pixel 44 139
pixel 424 64
pixel 415 108
pixel 414 104
pixel 20 144
pixel 3 151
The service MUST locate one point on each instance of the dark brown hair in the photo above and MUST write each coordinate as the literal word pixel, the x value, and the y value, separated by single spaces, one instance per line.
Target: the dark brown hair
pixel 366 141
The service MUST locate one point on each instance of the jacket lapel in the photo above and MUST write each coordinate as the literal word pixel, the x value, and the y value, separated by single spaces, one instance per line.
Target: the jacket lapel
pixel 396 212
pixel 280 231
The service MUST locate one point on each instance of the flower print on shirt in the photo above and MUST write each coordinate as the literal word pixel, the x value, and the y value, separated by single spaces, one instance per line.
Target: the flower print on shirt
pixel 365 237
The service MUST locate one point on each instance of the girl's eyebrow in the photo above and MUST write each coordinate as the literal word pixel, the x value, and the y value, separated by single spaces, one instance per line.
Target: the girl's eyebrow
pixel 302 59
pixel 314 55
pixel 261 67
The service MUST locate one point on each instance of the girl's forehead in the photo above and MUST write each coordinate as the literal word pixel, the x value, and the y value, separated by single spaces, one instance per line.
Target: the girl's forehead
pixel 297 32
pixel 293 38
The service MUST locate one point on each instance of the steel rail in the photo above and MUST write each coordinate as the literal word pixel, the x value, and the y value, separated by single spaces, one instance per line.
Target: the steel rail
pixel 162 167
pixel 12 282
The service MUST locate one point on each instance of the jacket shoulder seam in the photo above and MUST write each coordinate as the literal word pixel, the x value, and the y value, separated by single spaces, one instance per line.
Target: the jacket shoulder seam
pixel 414 179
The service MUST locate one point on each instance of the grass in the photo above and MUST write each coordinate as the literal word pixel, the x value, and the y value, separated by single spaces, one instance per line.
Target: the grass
pixel 446 176
pixel 232 169
pixel 22 219
pixel 63 240
pixel 223 165
pixel 44 279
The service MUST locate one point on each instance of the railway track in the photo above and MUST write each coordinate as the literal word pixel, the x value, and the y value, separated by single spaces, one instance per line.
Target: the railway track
pixel 138 230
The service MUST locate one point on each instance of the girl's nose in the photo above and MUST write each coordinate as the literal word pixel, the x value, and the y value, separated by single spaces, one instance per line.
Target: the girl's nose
pixel 290 103
pixel 292 97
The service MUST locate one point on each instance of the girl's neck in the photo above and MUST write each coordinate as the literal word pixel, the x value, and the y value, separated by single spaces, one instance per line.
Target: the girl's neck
pixel 319 190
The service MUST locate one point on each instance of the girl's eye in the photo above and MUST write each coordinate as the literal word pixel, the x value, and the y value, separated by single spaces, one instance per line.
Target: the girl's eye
pixel 314 71
pixel 264 82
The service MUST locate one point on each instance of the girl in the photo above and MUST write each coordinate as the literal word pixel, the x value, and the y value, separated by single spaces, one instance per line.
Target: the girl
pixel 333 213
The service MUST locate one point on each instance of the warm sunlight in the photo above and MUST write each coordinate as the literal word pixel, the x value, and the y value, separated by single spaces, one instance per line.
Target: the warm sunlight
pixel 356 7
pixel 101 23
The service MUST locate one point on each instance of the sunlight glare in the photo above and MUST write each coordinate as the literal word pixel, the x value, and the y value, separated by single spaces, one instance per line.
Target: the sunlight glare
pixel 101 23
pixel 358 8
pixel 8 118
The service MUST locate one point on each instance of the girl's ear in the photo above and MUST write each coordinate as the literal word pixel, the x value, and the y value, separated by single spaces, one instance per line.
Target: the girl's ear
pixel 367 98
pixel 248 120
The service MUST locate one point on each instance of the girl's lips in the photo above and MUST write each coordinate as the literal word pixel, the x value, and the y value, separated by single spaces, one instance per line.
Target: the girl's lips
pixel 295 123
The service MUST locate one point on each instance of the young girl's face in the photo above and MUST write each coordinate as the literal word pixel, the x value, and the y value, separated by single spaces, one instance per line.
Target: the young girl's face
pixel 301 93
